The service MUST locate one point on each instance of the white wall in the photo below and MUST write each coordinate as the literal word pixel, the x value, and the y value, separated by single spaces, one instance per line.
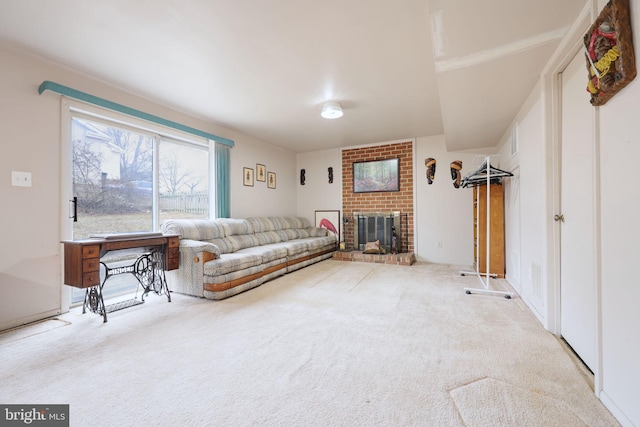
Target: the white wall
pixel 619 140
pixel 259 200
pixel 617 137
pixel 526 243
pixel 620 247
pixel 30 259
pixel 29 262
pixel 512 218
pixel 317 193
pixel 444 214
pixel 619 143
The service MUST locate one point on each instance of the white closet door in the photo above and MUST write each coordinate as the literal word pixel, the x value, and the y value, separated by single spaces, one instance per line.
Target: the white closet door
pixel 578 286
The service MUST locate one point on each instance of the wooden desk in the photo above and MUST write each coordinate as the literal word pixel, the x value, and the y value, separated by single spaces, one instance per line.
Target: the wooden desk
pixel 83 258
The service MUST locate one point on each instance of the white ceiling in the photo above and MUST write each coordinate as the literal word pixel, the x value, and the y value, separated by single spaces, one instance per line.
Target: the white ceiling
pixel 400 68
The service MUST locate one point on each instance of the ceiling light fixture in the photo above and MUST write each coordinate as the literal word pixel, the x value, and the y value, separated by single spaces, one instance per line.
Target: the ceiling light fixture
pixel 331 110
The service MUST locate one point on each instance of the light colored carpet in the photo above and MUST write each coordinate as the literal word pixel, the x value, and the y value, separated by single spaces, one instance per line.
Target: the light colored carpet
pixel 334 344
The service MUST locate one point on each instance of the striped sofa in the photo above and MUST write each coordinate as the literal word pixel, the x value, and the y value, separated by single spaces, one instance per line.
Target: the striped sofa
pixel 222 257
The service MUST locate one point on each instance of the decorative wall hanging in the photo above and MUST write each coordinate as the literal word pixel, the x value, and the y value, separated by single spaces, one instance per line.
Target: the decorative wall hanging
pixel 609 52
pixel 261 172
pixel 329 220
pixel 456 167
pixel 330 170
pixel 376 176
pixel 271 180
pixel 430 163
pixel 303 177
pixel 247 174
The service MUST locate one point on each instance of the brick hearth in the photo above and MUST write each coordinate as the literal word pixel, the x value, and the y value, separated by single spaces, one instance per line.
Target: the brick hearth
pixel 407 258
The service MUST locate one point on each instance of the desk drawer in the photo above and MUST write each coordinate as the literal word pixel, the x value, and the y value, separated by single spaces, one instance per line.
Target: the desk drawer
pixel 90 279
pixel 173 259
pixel 90 264
pixel 91 251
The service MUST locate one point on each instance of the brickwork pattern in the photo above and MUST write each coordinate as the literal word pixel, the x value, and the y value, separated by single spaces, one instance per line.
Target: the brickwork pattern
pixel 394 259
pixel 382 201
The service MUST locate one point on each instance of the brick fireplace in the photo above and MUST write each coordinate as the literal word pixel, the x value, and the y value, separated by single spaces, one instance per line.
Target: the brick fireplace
pixel 388 228
pixel 356 204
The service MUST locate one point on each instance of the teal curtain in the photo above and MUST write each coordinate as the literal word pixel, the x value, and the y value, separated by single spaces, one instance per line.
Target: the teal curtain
pixel 223 186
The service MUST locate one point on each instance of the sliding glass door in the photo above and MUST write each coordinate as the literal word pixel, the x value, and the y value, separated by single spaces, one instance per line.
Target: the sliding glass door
pixel 129 179
pixel 183 180
pixel 112 178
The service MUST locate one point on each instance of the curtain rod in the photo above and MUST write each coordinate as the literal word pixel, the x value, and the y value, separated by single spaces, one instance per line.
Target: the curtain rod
pixel 91 99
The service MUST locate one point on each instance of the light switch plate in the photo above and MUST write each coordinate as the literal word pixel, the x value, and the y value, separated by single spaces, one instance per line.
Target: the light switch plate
pixel 20 179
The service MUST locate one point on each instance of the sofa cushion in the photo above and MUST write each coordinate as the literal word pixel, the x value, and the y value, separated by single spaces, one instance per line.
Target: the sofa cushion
pixel 261 224
pixel 242 241
pixel 268 253
pixel 195 229
pixel 312 232
pixel 303 232
pixel 295 247
pixel 267 237
pixel 288 234
pixel 237 226
pixel 292 222
pixel 314 243
pixel 231 262
pixel 225 245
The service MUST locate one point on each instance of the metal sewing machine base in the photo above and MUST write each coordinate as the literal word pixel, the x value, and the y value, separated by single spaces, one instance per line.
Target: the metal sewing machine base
pixel 147 269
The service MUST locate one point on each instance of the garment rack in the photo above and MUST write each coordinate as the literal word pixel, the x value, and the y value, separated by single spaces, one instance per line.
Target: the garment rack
pixel 485 175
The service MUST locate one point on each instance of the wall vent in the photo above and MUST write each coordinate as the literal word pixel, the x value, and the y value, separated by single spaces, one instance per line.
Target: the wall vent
pixel 514 140
pixel 515 267
pixel 536 281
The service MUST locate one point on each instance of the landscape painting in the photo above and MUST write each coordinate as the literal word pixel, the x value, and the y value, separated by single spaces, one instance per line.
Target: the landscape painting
pixel 376 176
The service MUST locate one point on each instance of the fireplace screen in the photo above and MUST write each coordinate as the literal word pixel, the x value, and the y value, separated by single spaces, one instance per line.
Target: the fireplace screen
pixel 372 226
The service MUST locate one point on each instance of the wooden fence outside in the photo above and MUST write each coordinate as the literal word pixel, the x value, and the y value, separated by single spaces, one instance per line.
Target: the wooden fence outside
pixel 186 203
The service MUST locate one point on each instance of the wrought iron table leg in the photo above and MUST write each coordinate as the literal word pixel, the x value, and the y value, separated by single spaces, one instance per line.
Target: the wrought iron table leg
pixel 149 270
pixel 93 299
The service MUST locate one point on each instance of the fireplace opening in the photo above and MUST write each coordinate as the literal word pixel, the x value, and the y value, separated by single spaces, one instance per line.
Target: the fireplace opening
pixel 380 226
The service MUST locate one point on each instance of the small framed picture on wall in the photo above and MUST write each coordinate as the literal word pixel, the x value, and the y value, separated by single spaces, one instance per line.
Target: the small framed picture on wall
pixel 271 179
pixel 261 172
pixel 247 177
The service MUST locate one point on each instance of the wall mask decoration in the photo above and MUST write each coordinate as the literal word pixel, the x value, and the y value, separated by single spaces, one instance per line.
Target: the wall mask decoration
pixel 609 53
pixel 430 163
pixel 330 171
pixel 456 167
pixel 302 176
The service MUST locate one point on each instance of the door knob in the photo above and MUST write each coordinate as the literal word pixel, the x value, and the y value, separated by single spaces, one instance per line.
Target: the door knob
pixel 558 218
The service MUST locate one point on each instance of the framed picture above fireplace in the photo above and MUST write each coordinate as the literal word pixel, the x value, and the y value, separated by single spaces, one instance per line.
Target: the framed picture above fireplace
pixel 376 176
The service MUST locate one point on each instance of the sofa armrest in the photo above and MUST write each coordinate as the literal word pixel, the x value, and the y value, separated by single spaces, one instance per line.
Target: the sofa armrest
pixel 189 278
pixel 198 250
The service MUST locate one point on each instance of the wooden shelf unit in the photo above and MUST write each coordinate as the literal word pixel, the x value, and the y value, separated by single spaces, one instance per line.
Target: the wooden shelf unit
pixel 496 218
